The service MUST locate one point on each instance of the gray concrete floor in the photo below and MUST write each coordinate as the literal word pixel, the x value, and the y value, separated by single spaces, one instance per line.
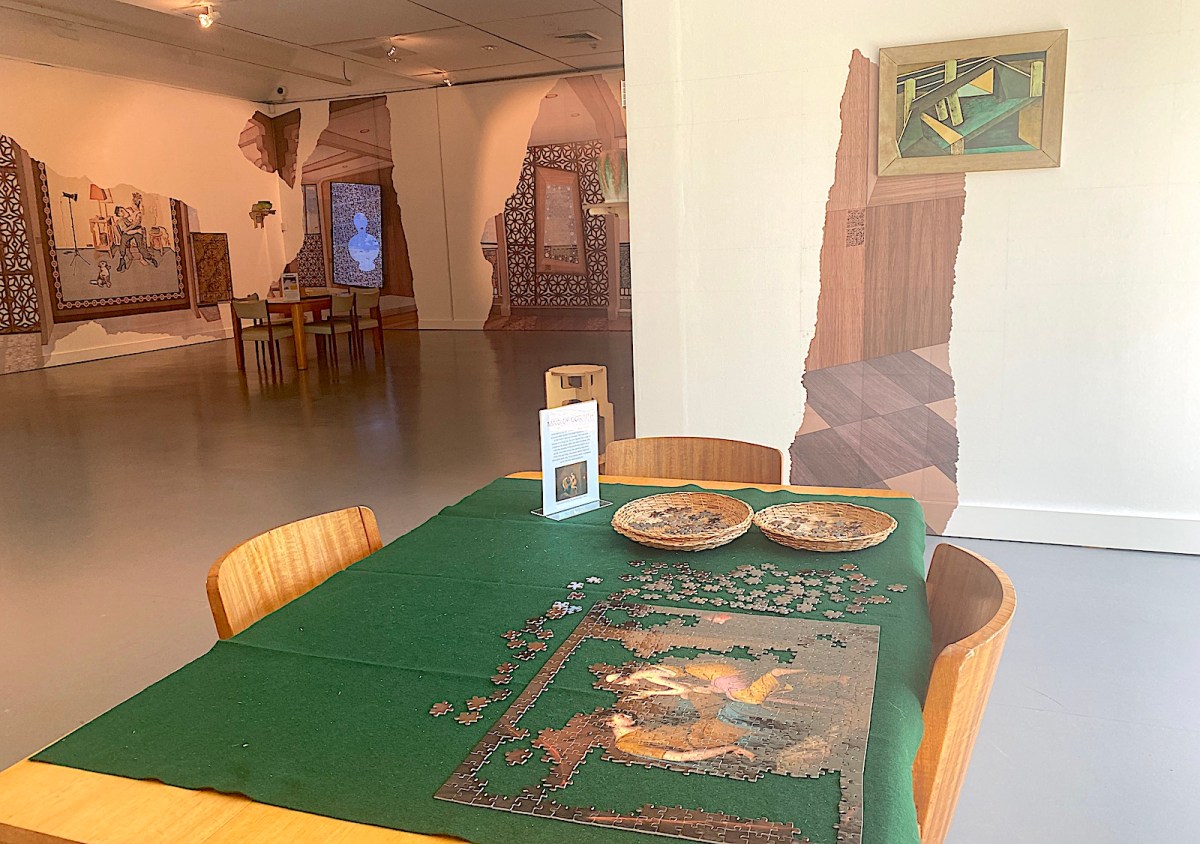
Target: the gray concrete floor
pixel 122 480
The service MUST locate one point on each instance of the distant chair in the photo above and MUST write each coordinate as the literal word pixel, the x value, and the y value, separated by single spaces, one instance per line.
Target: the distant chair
pixel 262 574
pixel 695 458
pixel 581 382
pixel 971 603
pixel 261 331
pixel 368 317
pixel 340 321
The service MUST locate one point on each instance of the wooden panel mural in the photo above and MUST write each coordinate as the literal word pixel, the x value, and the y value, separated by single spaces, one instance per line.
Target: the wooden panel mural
pixel 879 408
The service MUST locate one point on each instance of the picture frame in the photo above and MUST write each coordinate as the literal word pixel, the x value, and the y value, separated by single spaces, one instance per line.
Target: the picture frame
pixel 558 222
pixel 289 285
pixel 991 103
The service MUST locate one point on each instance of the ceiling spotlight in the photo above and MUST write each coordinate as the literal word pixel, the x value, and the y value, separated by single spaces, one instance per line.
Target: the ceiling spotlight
pixel 447 82
pixel 489 47
pixel 391 53
pixel 207 17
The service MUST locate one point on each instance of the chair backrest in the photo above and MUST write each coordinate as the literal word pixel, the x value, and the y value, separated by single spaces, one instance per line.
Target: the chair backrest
pixel 342 304
pixel 262 574
pixel 366 301
pixel 250 308
pixel 971 603
pixel 695 458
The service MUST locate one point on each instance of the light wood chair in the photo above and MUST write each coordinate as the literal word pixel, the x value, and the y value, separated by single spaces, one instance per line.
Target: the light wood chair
pixel 971 603
pixel 696 458
pixel 262 574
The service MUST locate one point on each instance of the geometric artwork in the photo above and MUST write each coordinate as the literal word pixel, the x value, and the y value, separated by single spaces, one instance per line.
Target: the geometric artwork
pixel 980 104
pixel 699 692
pixel 310 261
pixel 879 396
pixel 18 290
pixel 214 278
pixel 357 220
pixel 529 285
pixel 111 251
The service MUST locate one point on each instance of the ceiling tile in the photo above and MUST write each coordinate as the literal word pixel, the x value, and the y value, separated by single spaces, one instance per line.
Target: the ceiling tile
pixel 594 60
pixel 458 48
pixel 541 33
pixel 508 71
pixel 615 5
pixel 482 11
pixel 310 22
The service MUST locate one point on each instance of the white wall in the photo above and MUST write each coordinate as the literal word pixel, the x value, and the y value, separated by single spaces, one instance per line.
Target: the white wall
pixel 1074 343
pixel 458 155
pixel 161 140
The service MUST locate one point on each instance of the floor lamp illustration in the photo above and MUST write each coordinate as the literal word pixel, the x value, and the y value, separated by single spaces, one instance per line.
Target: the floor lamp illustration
pixel 74 250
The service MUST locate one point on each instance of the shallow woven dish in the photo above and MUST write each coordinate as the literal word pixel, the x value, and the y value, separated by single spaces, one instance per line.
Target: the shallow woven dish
pixel 824 525
pixel 683 521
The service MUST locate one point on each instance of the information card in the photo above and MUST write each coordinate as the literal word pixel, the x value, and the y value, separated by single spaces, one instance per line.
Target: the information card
pixel 570 461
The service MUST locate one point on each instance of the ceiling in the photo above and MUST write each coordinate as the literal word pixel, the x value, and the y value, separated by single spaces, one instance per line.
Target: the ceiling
pixel 315 49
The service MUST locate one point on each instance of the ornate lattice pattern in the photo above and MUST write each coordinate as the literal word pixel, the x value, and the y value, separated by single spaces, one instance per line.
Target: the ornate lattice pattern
pixel 490 253
pixel 18 289
pixel 214 278
pixel 530 288
pixel 310 263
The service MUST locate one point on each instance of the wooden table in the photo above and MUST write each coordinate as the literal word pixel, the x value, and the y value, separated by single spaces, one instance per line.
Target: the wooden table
pixel 312 303
pixel 42 803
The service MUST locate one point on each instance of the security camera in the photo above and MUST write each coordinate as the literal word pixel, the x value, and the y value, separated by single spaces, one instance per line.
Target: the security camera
pixel 281 91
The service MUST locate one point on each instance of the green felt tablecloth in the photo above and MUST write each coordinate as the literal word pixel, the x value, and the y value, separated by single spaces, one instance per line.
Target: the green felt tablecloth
pixel 323 706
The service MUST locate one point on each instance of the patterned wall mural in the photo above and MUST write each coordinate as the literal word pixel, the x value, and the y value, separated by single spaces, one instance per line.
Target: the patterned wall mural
pixel 880 408
pixel 530 288
pixel 18 287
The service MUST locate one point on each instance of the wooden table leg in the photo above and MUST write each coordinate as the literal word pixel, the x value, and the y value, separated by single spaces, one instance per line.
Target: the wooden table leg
pixel 238 349
pixel 300 336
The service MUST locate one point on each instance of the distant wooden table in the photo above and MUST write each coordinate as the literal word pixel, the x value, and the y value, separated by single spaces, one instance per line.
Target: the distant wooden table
pixel 41 803
pixel 310 303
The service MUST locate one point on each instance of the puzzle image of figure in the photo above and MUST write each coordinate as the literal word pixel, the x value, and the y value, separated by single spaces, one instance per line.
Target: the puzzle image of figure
pixel 747 697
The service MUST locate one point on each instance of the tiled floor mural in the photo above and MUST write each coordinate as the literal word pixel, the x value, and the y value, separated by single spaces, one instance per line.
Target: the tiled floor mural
pixel 884 422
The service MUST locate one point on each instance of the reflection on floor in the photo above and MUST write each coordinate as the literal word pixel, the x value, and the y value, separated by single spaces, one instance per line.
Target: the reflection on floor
pixel 405 320
pixel 884 422
pixel 563 322
pixel 124 479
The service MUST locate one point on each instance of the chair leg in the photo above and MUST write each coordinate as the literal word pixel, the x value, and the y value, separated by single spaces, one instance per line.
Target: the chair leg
pixel 333 345
pixel 378 336
pixel 279 355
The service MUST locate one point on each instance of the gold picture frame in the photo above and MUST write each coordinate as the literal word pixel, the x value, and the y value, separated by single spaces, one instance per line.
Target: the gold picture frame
pixel 978 104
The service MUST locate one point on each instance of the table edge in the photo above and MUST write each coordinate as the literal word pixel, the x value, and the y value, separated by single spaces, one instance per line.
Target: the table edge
pixel 636 480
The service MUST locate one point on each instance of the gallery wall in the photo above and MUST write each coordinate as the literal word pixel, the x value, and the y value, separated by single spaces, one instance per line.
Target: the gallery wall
pixel 1072 341
pixel 161 141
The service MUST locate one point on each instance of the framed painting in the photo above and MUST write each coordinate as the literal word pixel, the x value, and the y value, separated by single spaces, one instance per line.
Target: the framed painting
pixel 214 277
pixel 112 251
pixel 980 104
pixel 558 222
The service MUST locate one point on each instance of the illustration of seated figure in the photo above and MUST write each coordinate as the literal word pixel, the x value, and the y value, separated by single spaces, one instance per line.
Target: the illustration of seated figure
pixel 716 678
pixel 364 247
pixel 697 741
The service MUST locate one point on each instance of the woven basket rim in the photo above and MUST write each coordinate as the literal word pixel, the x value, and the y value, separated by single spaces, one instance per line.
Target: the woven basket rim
pixel 889 523
pixel 727 501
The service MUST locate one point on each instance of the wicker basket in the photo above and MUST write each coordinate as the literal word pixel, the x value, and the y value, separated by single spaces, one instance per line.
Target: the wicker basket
pixel 683 521
pixel 824 526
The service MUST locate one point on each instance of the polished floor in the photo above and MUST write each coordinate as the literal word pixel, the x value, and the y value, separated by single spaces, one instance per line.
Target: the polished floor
pixel 122 480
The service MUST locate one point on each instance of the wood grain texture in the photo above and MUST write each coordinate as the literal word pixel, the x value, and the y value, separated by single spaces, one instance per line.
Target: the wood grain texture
pixel 262 574
pixel 42 803
pixel 971 603
pixel 702 458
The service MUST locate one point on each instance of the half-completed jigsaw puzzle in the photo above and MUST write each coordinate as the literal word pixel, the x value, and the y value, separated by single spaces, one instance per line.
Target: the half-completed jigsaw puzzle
pixel 721 694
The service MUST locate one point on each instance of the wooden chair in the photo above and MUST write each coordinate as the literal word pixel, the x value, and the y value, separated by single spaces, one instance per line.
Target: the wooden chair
pixel 971 603
pixel 262 574
pixel 261 331
pixel 695 458
pixel 341 321
pixel 368 317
